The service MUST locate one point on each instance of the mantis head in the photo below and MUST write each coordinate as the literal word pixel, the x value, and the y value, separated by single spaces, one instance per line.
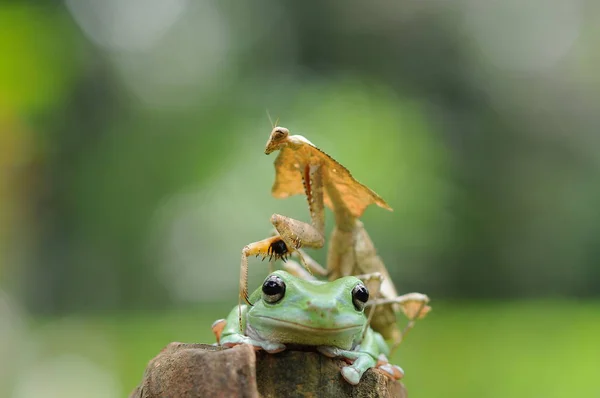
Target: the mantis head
pixel 277 140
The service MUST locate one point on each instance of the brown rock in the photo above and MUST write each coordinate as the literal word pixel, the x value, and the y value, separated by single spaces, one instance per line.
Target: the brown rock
pixel 199 370
pixel 310 374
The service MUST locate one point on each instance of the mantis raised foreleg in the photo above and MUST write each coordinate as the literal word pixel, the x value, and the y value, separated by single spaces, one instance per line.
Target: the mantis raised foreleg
pixel 292 235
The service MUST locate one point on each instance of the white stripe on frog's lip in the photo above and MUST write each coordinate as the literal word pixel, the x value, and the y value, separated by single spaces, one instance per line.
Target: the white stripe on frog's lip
pixel 301 326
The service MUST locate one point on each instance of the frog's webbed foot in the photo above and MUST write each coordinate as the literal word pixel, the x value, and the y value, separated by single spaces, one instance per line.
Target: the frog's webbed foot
pixel 272 348
pixel 393 371
pixel 331 352
pixel 360 362
pixel 237 339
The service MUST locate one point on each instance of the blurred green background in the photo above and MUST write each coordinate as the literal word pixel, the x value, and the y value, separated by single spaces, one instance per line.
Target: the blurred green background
pixel 132 173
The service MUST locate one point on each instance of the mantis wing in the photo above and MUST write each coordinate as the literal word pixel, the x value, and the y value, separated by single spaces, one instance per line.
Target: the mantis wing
pixel 342 191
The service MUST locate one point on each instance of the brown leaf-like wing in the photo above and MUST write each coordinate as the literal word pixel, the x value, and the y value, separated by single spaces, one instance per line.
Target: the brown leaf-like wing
pixel 354 196
pixel 415 310
pixel 288 175
pixel 342 190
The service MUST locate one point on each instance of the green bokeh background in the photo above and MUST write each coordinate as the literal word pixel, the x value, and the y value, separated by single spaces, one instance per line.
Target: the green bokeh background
pixel 132 173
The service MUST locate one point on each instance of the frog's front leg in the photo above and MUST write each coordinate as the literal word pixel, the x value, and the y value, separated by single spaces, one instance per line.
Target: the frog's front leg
pixel 237 338
pixel 360 362
pixel 393 371
pixel 370 353
pixel 228 333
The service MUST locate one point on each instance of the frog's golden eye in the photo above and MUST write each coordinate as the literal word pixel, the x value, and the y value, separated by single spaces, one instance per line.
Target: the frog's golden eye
pixel 273 289
pixel 360 296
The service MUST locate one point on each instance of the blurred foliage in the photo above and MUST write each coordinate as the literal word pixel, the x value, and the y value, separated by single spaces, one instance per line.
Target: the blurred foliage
pixel 40 58
pixel 132 169
pixel 118 127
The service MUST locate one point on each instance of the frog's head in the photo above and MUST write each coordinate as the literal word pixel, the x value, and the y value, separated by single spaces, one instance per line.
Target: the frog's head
pixel 291 310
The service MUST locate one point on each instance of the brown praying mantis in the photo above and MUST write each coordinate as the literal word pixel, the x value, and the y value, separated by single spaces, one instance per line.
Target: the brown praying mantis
pixel 302 168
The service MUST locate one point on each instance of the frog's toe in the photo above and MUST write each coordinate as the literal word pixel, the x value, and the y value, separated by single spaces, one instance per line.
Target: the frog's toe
pixel 351 374
pixel 398 371
pixel 328 351
pixel 270 347
pixel 387 368
pixel 273 348
pixel 393 371
pixel 382 359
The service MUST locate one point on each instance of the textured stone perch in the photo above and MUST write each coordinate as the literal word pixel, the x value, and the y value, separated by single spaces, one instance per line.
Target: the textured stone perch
pixel 199 370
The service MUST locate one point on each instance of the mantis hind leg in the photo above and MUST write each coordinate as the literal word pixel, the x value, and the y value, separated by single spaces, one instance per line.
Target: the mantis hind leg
pixel 310 263
pixel 297 270
pixel 413 305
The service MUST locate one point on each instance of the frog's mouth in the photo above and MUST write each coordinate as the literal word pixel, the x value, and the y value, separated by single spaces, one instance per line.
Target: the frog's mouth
pixel 301 326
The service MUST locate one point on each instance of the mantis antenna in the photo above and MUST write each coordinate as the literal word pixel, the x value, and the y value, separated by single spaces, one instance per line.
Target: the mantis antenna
pixel 273 125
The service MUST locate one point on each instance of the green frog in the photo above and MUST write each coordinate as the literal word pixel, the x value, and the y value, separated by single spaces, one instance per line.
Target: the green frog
pixel 327 315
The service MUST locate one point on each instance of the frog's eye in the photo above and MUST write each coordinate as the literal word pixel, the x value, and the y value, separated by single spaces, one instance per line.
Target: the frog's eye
pixel 273 289
pixel 360 296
